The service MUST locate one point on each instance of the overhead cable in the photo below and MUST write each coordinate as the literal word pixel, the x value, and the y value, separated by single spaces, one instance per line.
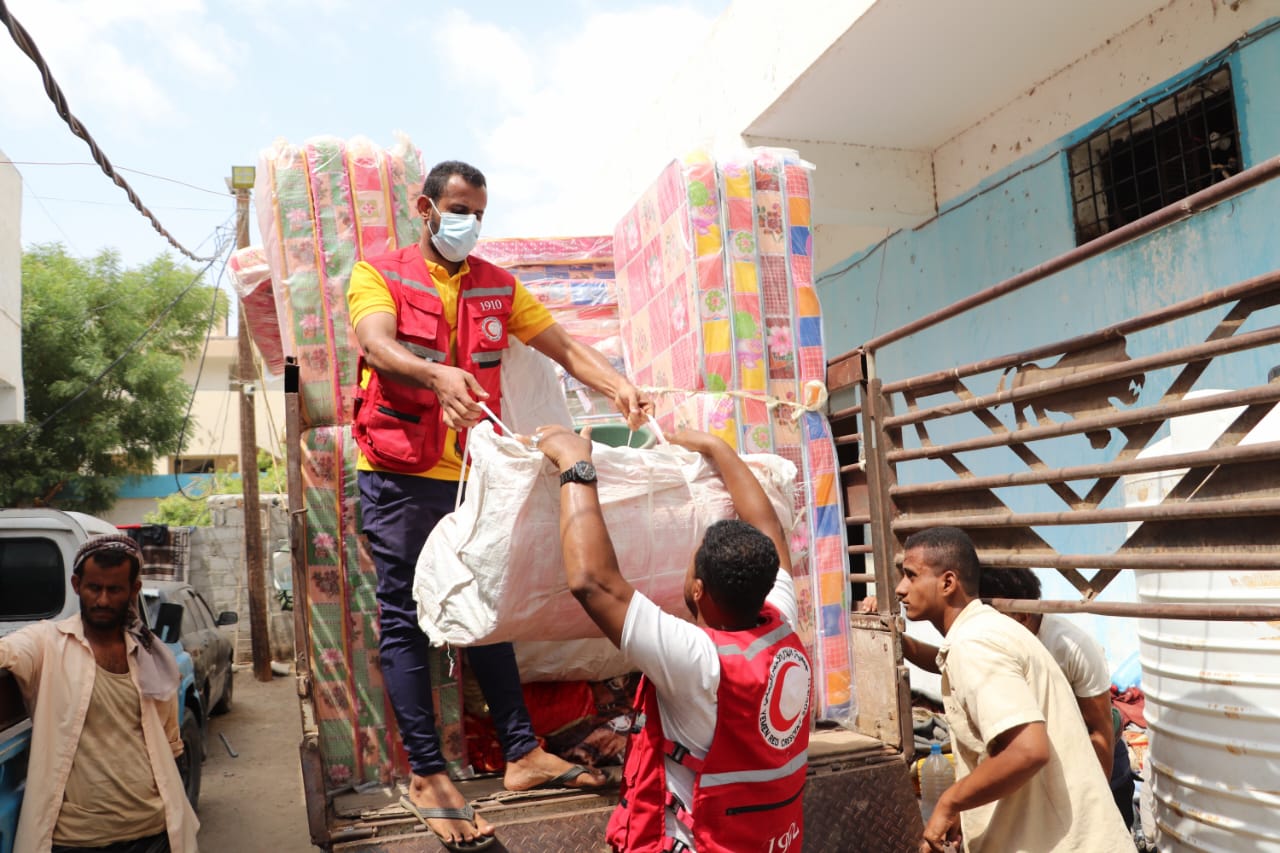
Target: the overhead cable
pixel 23 39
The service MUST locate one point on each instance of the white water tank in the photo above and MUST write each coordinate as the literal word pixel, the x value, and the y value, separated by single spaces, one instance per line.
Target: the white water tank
pixel 1212 688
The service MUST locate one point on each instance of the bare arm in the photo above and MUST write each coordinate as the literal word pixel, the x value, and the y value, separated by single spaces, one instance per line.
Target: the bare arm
pixel 590 563
pixel 920 653
pixel 456 389
pixel 1016 756
pixel 1096 711
pixel 749 499
pixel 591 368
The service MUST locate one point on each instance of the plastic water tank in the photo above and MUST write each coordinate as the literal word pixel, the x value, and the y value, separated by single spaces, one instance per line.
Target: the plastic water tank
pixel 1212 688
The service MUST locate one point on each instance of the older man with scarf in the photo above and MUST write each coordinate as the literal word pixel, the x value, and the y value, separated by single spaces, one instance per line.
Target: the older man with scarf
pixel 102 693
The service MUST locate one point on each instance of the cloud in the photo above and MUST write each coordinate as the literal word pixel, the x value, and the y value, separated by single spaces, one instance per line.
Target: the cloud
pixel 117 62
pixel 557 110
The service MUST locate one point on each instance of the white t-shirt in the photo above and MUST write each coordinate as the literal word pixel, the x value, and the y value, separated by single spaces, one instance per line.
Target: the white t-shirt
pixel 680 660
pixel 1081 658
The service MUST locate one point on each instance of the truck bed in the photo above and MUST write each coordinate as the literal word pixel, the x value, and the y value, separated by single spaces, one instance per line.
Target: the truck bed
pixel 859 797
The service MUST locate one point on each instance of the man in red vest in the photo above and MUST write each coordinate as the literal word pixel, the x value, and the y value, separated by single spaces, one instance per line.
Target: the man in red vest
pixel 718 758
pixel 432 323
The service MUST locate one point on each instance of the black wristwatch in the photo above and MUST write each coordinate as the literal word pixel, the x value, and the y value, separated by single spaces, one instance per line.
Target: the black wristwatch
pixel 581 472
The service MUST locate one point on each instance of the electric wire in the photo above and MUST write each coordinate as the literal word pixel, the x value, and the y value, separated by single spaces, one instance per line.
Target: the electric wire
pixel 225 230
pixel 25 43
pixel 118 168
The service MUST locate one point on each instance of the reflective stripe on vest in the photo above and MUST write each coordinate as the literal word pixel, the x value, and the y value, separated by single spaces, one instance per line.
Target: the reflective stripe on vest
pixel 487 357
pixel 760 644
pixel 420 286
pixel 477 292
pixel 710 780
pixel 423 352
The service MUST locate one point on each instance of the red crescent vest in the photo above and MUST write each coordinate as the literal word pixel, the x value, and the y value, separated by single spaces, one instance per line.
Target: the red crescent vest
pixel 397 426
pixel 747 792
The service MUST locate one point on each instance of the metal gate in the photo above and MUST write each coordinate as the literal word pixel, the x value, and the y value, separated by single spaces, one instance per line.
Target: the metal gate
pixel 1029 450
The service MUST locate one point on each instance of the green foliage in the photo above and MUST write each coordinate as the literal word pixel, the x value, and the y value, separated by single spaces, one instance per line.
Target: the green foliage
pixel 79 318
pixel 191 509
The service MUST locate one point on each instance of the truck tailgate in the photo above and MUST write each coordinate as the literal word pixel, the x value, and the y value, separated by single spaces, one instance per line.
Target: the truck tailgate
pixel 859 797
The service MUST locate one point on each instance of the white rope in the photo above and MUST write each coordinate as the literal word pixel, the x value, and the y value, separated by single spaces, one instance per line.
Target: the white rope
pixel 814 397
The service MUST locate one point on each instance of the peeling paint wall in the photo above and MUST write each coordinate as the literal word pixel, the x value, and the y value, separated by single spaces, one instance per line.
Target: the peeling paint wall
pixel 1012 220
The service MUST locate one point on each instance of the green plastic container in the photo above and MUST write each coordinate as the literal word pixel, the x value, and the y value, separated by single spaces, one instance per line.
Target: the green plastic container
pixel 615 435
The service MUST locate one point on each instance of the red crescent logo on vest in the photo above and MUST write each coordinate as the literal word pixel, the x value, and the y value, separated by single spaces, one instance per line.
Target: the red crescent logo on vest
pixel 491 328
pixel 786 699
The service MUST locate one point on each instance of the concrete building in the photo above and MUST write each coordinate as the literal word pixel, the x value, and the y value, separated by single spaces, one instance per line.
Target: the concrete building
pixel 11 394
pixel 213 433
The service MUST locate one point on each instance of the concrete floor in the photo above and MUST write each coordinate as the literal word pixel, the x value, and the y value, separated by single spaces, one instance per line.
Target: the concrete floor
pixel 255 801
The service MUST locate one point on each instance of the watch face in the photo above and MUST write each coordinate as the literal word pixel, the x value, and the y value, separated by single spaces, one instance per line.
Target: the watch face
pixel 584 472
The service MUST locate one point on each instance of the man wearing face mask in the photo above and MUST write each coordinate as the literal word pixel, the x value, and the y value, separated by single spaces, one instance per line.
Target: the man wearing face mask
pixel 432 322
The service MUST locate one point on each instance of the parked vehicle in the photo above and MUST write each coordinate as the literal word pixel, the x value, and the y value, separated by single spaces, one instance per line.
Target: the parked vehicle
pixel 36 551
pixel 212 652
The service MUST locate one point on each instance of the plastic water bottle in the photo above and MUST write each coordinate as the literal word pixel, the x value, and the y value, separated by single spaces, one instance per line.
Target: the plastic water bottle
pixel 936 776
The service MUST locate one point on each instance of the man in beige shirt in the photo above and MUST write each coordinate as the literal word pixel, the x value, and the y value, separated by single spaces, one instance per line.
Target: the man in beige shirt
pixel 102 693
pixel 1027 779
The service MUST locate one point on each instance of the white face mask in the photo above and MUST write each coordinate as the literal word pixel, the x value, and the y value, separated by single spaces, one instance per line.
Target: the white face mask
pixel 457 235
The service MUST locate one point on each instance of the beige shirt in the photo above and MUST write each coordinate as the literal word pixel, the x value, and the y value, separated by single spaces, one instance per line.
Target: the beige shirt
pixel 995 676
pixel 111 794
pixel 54 665
pixel 1082 660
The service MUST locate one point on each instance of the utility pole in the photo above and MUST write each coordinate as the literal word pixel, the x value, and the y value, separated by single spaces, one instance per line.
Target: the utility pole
pixel 241 181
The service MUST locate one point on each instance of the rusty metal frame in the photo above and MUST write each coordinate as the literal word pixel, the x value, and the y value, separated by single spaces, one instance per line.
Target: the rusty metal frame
pixel 882 434
pixel 313 779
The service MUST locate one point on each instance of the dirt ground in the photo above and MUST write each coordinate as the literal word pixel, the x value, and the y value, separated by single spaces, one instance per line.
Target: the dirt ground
pixel 255 801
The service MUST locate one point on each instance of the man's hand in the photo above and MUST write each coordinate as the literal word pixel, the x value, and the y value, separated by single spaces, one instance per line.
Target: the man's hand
pixel 942 832
pixel 627 400
pixel 697 441
pixel 562 446
pixel 457 391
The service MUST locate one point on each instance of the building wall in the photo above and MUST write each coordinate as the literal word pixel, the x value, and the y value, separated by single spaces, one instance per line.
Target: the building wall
pixel 1020 215
pixel 11 393
pixel 218 570
pixel 215 412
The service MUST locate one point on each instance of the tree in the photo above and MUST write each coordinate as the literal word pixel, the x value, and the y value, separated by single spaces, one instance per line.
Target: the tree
pixel 103 349
pixel 190 507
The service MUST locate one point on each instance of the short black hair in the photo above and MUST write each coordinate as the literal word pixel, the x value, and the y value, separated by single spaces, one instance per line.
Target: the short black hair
pixel 438 177
pixel 1019 582
pixel 737 565
pixel 953 550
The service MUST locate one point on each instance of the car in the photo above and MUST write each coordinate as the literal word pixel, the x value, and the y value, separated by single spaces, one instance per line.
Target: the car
pixel 212 652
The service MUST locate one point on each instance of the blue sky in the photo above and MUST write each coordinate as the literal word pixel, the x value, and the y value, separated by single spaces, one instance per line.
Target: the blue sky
pixel 184 89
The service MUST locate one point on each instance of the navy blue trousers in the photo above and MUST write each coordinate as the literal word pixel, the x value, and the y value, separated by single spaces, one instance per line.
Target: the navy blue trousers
pixel 399 512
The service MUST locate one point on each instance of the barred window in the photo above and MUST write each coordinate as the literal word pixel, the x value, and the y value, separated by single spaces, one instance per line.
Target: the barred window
pixel 1163 153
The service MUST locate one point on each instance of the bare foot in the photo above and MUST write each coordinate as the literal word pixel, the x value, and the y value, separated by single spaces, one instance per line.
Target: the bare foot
pixel 540 766
pixel 437 791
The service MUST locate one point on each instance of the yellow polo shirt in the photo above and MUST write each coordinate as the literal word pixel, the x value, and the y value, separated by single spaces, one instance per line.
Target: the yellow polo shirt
pixel 368 294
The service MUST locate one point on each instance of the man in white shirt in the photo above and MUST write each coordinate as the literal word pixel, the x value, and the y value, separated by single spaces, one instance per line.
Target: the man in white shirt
pixel 718 760
pixel 1026 777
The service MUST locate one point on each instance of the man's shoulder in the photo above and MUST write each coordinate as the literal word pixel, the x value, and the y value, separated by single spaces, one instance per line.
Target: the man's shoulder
pixel 395 256
pixel 481 268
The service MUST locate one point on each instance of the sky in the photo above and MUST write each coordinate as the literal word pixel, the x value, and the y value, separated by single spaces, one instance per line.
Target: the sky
pixel 181 90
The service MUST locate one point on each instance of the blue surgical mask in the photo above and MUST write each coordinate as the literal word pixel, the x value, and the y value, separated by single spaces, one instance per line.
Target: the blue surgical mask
pixel 457 235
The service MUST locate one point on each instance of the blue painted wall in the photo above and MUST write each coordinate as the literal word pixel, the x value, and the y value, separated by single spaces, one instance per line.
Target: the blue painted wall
pixel 1022 217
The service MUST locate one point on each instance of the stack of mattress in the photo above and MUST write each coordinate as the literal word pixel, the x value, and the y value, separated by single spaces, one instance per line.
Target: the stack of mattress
pixel 322 206
pixel 720 320
pixel 574 278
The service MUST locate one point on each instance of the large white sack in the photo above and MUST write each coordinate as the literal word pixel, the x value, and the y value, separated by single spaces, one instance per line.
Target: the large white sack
pixel 531 393
pixel 570 660
pixel 492 571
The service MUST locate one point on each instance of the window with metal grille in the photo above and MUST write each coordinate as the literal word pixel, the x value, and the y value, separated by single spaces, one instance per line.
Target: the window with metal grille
pixel 1155 157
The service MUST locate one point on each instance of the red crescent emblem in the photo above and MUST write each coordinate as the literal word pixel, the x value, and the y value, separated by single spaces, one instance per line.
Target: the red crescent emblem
pixel 776 719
